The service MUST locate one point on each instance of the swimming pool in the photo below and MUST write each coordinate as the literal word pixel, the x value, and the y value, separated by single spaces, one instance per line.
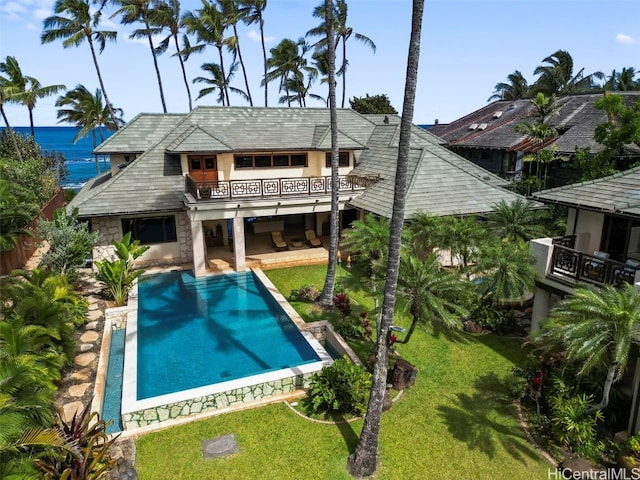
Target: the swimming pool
pixel 195 332
pixel 196 345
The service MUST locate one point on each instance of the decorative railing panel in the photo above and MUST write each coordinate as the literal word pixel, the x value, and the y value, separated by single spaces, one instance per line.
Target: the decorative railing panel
pixel 581 267
pixel 276 187
pixel 566 241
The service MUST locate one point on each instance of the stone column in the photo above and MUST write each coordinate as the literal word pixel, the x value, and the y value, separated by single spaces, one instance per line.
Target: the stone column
pixel 541 304
pixel 199 248
pixel 238 244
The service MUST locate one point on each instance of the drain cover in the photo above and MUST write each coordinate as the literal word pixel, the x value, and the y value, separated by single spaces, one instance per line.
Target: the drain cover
pixel 220 446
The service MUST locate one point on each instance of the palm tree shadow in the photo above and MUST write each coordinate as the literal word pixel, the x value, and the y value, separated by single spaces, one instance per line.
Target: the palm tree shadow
pixel 347 432
pixel 479 420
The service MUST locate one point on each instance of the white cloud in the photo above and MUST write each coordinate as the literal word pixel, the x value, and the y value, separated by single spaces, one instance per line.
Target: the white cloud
pixel 13 11
pixel 624 39
pixel 255 36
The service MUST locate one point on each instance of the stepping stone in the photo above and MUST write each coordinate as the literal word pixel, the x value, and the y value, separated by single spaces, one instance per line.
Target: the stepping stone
pixel 220 446
pixel 78 390
pixel 94 315
pixel 91 326
pixel 69 410
pixel 81 375
pixel 93 306
pixel 85 359
pixel 86 347
pixel 89 336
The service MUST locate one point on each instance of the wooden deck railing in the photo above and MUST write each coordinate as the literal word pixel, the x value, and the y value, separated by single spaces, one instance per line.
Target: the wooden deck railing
pixel 272 187
pixel 581 267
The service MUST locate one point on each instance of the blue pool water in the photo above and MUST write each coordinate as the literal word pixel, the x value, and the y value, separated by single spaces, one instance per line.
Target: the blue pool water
pixel 111 406
pixel 196 332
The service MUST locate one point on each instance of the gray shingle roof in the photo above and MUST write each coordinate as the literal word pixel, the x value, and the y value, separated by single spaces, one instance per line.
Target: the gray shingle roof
pixel 577 118
pixel 619 193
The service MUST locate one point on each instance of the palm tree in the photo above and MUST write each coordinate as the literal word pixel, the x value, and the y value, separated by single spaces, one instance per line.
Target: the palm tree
pixel 623 81
pixel 233 13
pixel 462 235
pixel 16 213
pixel 326 297
pixel 133 11
pixel 557 76
pixel 516 220
pixel 208 24
pixel 515 89
pixel 7 92
pixel 255 9
pixel 88 112
pixel 343 33
pixel 430 294
pixel 597 328
pixel 79 25
pixel 28 89
pixel 363 461
pixel 217 82
pixel 167 15
pixel 427 233
pixel 287 62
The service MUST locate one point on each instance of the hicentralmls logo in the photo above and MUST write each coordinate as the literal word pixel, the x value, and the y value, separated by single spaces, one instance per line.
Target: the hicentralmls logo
pixel 606 474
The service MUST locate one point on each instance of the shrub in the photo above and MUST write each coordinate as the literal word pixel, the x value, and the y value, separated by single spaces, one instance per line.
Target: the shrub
pixel 341 387
pixel 343 304
pixel 305 293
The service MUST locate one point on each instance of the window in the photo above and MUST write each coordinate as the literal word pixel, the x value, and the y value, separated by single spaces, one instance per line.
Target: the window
pixel 343 159
pixel 151 230
pixel 272 160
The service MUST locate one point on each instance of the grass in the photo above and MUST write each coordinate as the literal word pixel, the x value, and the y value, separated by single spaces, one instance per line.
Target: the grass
pixel 457 421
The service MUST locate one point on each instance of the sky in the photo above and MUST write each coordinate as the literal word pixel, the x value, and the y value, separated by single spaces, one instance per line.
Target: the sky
pixel 467 47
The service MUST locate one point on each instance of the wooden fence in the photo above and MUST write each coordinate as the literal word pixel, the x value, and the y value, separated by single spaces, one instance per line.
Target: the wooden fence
pixel 26 245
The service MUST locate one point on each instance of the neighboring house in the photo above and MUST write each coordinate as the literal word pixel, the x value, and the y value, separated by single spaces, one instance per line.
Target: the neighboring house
pixel 242 172
pixel 488 137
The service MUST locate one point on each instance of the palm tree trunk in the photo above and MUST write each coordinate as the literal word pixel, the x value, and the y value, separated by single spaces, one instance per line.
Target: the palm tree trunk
pixel 33 130
pixel 606 391
pixel 93 136
pixel 244 70
pixel 326 298
pixel 344 71
pixel 363 461
pixel 264 60
pixel 412 328
pixel 11 133
pixel 104 92
pixel 224 77
pixel 155 65
pixel 184 72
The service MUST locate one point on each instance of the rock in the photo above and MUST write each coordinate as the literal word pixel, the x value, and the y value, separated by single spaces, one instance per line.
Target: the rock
pixel 577 467
pixel 387 402
pixel 91 326
pixel 78 390
pixel 81 375
pixel 86 347
pixel 403 374
pixel 89 336
pixel 85 359
pixel 70 409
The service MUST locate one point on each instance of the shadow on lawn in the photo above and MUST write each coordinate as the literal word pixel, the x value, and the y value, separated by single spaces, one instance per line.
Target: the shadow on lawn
pixel 484 420
pixel 347 432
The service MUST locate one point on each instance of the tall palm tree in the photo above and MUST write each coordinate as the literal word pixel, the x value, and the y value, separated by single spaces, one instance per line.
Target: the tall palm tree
pixel 516 220
pixel 233 13
pixel 287 62
pixel 343 32
pixel 28 89
pixel 87 111
pixel 167 15
pixel 557 77
pixel 77 26
pixel 254 15
pixel 515 89
pixel 429 293
pixel 597 328
pixel 427 233
pixel 133 11
pixel 363 461
pixel 326 297
pixel 218 82
pixel 623 81
pixel 462 235
pixel 208 25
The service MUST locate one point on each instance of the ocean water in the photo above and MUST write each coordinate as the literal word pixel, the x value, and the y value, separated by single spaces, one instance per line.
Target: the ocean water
pixel 80 162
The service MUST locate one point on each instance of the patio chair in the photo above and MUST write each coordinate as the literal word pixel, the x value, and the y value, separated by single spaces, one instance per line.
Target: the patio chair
pixel 312 240
pixel 278 242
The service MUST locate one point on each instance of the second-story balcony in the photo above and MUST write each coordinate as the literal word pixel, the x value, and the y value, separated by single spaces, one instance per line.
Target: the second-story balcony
pixel 558 260
pixel 262 188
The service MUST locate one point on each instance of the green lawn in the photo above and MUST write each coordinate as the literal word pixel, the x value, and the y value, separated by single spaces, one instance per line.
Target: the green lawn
pixel 455 422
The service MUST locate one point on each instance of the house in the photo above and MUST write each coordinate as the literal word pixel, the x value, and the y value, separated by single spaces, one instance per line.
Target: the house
pixel 488 137
pixel 188 184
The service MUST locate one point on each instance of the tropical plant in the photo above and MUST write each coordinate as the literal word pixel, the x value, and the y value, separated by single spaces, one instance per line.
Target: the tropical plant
pixel 622 81
pixel 515 89
pixel 7 92
pixel 430 294
pixel 119 275
pixel 86 111
pixel 557 77
pixel 427 233
pixel 593 165
pixel 597 328
pixel 372 104
pixel 462 235
pixel 218 82
pixel 254 14
pixel 289 66
pixel 233 13
pixel 516 220
pixel 133 11
pixel 623 128
pixel 363 461
pixel 16 212
pixel 342 387
pixel 27 89
pixel 166 14
pixel 70 242
pixel 79 25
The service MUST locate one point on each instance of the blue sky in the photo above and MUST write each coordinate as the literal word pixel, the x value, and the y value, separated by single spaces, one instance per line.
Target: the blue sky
pixel 467 47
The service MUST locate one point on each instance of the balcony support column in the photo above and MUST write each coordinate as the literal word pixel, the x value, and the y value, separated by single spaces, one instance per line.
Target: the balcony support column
pixel 238 244
pixel 199 248
pixel 541 306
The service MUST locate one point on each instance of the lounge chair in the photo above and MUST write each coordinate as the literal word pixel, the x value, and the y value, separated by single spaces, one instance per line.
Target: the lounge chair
pixel 312 240
pixel 278 242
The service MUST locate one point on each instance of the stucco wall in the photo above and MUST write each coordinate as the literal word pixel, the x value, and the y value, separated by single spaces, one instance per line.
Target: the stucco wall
pixel 169 253
pixel 591 223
